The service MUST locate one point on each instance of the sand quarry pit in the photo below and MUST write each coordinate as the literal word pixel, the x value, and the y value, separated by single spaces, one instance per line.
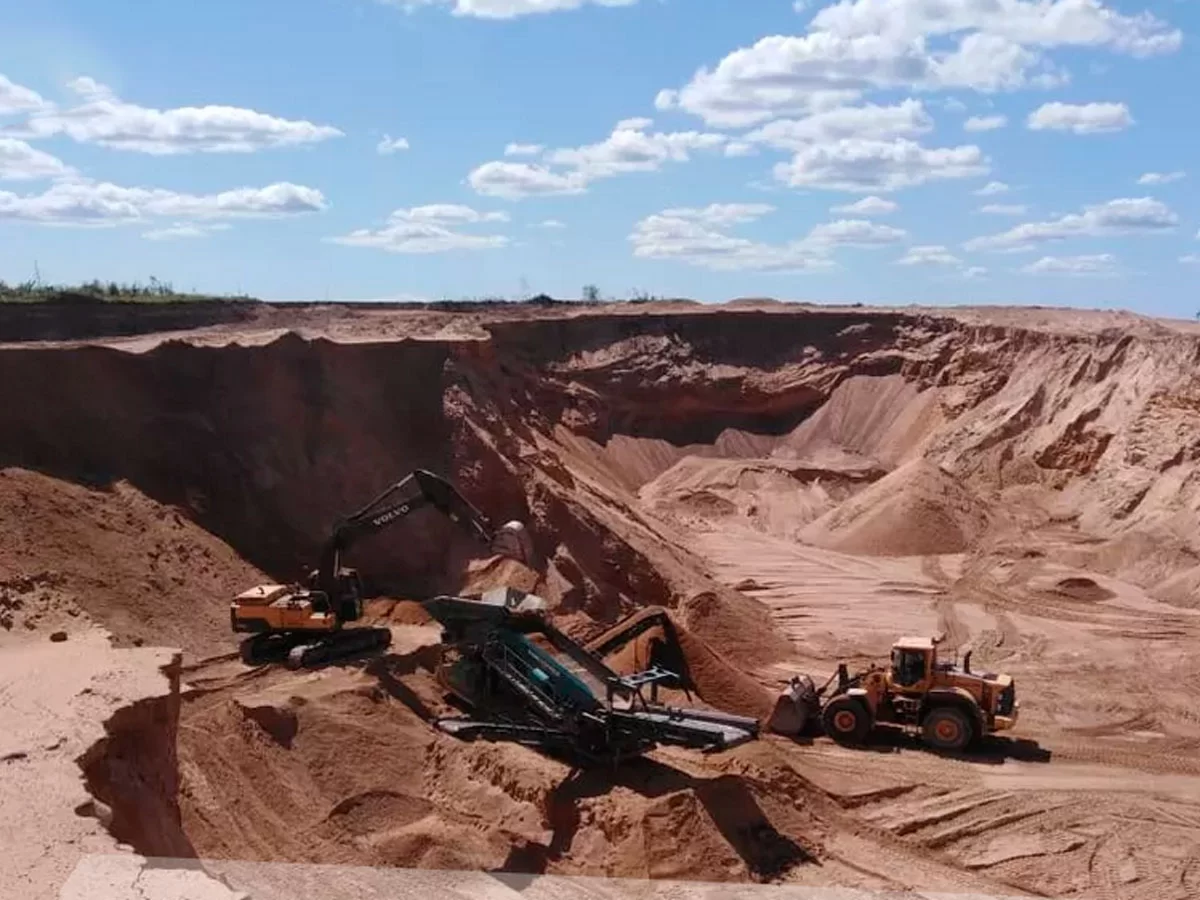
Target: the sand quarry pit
pixel 797 486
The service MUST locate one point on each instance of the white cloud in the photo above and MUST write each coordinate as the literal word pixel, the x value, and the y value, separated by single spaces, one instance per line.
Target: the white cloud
pixel 182 230
pixel 82 202
pixel 523 149
pixel 20 162
pixel 869 122
pixel 740 148
pixel 1152 178
pixel 1004 209
pixel 103 118
pixel 515 180
pixel 548 223
pixel 428 229
pixel 1125 216
pixel 929 255
pixel 1040 23
pixel 17 99
pixel 974 272
pixel 448 213
pixel 992 188
pixel 1098 264
pixel 1088 118
pixel 985 123
pixel 868 206
pixel 854 233
pixel 503 9
pixel 629 148
pixel 856 46
pixel 1190 259
pixel 866 165
pixel 390 145
pixel 700 236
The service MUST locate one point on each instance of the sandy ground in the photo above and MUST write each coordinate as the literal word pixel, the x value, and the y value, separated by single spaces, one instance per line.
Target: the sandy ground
pixel 1024 481
pixel 54 701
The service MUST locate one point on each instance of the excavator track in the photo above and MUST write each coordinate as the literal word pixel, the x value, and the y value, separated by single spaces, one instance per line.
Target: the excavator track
pixel 337 646
pixel 300 650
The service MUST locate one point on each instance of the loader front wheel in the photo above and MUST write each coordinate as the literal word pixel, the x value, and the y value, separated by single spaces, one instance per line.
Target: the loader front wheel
pixel 946 728
pixel 846 720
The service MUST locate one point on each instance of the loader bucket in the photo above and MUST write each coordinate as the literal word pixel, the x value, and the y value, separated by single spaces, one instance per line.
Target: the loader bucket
pixel 796 706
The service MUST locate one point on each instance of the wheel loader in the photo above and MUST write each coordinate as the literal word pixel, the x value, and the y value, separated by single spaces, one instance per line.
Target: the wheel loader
pixel 947 704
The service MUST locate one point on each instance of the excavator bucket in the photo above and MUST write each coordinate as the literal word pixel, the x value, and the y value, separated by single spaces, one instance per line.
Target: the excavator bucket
pixel 513 540
pixel 796 706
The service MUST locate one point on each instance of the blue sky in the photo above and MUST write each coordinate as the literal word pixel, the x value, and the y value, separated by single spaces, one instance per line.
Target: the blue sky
pixel 896 151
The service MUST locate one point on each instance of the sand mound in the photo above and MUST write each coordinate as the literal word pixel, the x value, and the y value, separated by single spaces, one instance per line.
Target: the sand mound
pixel 881 418
pixel 137 567
pixel 917 510
pixel 773 495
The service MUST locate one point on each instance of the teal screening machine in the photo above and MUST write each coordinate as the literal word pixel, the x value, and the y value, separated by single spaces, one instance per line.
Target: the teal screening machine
pixel 523 680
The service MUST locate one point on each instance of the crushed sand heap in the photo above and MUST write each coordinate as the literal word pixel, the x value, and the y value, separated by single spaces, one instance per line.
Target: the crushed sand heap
pixel 778 496
pixel 70 554
pixel 919 509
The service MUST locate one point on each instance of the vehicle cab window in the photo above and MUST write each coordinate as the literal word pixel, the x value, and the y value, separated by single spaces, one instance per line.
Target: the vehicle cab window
pixel 908 667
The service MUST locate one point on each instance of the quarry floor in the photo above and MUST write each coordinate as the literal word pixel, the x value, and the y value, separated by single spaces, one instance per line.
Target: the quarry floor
pixel 1096 792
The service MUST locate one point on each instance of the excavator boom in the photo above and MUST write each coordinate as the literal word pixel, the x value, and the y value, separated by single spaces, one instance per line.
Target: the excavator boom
pixel 305 624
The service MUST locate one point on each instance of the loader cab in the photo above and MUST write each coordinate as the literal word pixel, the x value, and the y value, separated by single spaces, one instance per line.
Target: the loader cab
pixel 913 664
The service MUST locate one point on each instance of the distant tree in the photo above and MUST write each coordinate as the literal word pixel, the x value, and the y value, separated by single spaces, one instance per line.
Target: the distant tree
pixel 591 293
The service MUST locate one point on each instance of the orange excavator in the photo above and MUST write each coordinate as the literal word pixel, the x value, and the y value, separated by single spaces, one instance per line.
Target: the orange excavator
pixel 304 624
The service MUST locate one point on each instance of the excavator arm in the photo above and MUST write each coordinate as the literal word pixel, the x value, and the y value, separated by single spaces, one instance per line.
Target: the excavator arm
pixel 417 489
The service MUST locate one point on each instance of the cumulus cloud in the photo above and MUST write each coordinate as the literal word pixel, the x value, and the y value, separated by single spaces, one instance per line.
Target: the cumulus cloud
pixel 1154 178
pixel 103 118
pixel 1097 264
pixel 515 180
pixel 855 46
pixel 503 9
pixel 974 272
pixel 1190 259
pixel 1004 209
pixel 992 188
pixel 429 229
pixel 523 149
pixel 391 145
pixel 17 99
pixel 81 202
pixel 20 162
pixel 1087 118
pixel 1141 215
pixel 548 223
pixel 869 122
pixel 1042 23
pixel 869 166
pixel 985 123
pixel 631 147
pixel 700 237
pixel 184 230
pixel 929 255
pixel 867 206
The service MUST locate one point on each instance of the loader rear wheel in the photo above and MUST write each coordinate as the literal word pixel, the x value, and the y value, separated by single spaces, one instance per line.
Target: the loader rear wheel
pixel 947 728
pixel 846 720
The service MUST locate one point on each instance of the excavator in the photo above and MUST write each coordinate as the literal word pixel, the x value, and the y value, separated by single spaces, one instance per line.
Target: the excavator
pixel 304 624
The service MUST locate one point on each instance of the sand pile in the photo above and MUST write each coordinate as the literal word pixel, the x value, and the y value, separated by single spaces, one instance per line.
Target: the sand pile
pixel 337 767
pixel 776 496
pixel 882 418
pixel 917 510
pixel 149 575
